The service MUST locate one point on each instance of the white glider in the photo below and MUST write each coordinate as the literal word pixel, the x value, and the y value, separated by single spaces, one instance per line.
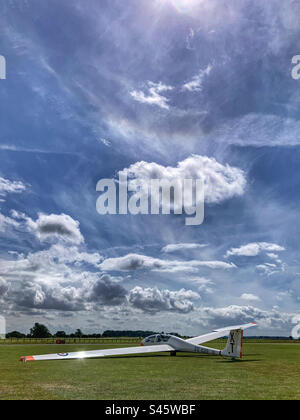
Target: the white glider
pixel 165 343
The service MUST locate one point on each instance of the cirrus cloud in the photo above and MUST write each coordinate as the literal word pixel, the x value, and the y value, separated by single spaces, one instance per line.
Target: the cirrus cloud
pixel 154 97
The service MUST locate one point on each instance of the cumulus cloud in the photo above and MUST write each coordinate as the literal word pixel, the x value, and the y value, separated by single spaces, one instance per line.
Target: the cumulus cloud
pixel 3 287
pixel 68 255
pixel 253 249
pixel 182 247
pixel 54 226
pixel 154 97
pixel 153 300
pixel 41 296
pixel 250 297
pixel 234 315
pixel 196 84
pixel 7 186
pixel 132 262
pixel 107 291
pixel 90 293
pixel 41 275
pixel 221 182
pixel 6 223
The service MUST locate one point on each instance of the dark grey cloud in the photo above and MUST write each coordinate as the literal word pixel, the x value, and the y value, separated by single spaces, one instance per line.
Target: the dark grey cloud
pixel 153 300
pixel 56 226
pixel 41 296
pixel 107 291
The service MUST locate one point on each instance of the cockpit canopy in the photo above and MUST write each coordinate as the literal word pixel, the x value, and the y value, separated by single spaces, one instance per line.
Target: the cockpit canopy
pixel 157 338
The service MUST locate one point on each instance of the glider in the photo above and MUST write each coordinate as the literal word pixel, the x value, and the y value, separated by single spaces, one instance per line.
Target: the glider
pixel 165 343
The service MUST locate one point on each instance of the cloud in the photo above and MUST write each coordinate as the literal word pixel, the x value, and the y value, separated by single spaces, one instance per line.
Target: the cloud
pixel 3 287
pixel 132 262
pixel 59 227
pixel 107 291
pixel 182 247
pixel 106 142
pixel 253 249
pixel 9 187
pixel 270 269
pixel 153 300
pixel 260 130
pixel 202 284
pixel 250 297
pixel 41 296
pixel 221 182
pixel 87 294
pixel 196 84
pixel 154 97
pixel 189 39
pixel 60 254
pixel 49 270
pixel 6 223
pixel 274 257
pixel 269 320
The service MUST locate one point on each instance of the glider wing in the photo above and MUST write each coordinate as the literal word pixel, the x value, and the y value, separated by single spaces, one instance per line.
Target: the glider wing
pixel 99 353
pixel 218 333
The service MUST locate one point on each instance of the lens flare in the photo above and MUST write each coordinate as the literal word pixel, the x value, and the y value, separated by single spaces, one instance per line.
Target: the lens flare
pixel 185 6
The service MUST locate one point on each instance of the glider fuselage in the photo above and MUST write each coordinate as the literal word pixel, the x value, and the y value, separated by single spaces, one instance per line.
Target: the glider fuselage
pixel 178 344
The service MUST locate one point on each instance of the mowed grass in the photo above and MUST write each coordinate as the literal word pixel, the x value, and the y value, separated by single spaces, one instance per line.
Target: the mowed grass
pixel 267 371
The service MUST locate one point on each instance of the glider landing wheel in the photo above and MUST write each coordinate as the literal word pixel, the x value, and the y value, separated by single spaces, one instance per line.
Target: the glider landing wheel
pixel 173 353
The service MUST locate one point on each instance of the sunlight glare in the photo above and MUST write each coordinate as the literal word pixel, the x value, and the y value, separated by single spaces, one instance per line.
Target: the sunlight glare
pixel 184 6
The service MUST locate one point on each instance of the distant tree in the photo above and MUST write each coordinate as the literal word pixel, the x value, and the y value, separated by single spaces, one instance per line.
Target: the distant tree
pixel 60 334
pixel 15 334
pixel 78 333
pixel 39 331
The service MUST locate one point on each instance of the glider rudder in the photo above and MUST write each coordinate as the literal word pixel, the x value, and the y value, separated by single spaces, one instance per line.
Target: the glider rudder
pixel 234 345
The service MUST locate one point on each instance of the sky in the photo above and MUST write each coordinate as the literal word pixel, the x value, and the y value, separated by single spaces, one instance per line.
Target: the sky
pixel 151 88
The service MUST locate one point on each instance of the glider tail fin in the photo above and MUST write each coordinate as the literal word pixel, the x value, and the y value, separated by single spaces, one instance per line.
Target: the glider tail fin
pixel 234 345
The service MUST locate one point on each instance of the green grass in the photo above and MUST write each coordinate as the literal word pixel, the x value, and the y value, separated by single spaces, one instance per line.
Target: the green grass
pixel 267 371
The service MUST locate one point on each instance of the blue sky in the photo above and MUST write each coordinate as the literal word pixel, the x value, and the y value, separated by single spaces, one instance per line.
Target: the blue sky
pixel 97 87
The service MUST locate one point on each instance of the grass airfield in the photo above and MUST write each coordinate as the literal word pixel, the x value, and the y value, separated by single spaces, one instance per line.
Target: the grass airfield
pixel 267 371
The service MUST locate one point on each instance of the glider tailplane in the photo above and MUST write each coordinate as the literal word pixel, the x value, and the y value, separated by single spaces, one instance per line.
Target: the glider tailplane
pixel 234 345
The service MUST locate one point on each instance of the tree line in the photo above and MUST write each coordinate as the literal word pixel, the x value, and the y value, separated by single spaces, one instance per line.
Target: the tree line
pixel 41 331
